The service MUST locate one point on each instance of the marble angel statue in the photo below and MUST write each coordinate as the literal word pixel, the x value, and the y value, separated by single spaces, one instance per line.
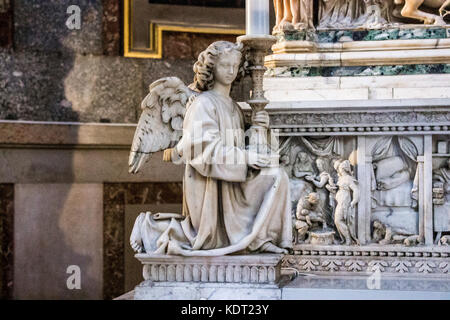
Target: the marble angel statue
pixel 234 201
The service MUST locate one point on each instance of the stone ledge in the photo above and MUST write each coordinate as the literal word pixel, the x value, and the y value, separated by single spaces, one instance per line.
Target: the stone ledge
pixel 250 269
pixel 388 32
pixel 361 119
pixel 359 53
pixel 66 133
pixel 360 57
pixel 149 290
pixel 310 287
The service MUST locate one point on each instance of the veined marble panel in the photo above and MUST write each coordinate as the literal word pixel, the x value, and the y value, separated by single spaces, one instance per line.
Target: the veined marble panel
pixel 115 198
pixel 298 71
pixel 6 240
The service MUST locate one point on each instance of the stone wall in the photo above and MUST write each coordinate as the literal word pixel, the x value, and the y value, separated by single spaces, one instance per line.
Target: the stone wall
pixel 51 73
pixel 66 197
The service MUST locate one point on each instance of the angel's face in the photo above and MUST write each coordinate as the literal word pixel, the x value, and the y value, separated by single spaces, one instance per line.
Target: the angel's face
pixel 227 67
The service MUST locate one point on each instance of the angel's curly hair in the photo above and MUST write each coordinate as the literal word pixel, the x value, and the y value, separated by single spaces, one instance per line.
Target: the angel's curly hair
pixel 204 67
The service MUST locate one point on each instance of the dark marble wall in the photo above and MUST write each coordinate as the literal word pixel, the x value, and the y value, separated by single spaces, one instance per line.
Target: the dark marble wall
pixel 6 24
pixel 116 197
pixel 6 240
pixel 112 20
pixel 51 73
pixel 187 46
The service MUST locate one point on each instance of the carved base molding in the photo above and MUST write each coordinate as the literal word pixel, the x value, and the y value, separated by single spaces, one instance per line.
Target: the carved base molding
pixel 253 269
pixel 149 290
pixel 391 260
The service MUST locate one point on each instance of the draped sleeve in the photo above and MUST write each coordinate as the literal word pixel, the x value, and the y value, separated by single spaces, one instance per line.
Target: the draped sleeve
pixel 207 145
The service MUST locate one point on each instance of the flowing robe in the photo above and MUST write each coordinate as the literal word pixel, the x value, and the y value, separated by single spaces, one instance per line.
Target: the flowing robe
pixel 228 207
pixel 339 13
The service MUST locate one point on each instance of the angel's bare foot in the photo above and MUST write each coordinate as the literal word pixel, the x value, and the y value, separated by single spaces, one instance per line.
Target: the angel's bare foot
pixel 286 26
pixel 136 238
pixel 271 248
pixel 300 26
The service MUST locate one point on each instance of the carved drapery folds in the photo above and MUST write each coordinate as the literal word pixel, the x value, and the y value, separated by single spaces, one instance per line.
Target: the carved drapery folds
pixel 349 14
pixel 394 190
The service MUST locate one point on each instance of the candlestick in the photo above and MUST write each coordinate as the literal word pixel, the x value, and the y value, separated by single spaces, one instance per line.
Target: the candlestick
pixel 259 46
pixel 257 17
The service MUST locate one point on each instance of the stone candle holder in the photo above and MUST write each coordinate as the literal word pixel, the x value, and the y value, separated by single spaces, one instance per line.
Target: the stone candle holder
pixel 259 46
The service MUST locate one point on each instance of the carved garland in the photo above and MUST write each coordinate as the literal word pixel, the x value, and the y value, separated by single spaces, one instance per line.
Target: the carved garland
pixel 366 266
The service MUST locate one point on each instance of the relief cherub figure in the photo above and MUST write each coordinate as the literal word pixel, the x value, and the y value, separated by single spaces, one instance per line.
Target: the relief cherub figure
pixel 234 200
pixel 324 183
pixel 308 215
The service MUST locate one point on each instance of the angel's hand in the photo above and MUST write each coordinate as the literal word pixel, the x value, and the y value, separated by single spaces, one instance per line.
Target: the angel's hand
pixel 261 118
pixel 257 160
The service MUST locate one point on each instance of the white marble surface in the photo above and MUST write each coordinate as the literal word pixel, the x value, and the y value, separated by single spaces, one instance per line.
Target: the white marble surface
pixel 359 53
pixel 205 291
pixel 360 288
pixel 295 89
pixel 302 288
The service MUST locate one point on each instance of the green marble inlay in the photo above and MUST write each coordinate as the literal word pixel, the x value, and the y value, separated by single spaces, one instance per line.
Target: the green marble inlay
pixel 330 36
pixel 301 71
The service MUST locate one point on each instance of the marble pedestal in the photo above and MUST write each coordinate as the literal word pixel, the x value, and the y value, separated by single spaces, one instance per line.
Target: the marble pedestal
pixel 249 277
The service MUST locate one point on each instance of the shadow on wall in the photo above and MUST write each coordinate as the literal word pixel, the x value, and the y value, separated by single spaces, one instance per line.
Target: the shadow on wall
pixel 31 75
pixel 57 223
pixel 56 226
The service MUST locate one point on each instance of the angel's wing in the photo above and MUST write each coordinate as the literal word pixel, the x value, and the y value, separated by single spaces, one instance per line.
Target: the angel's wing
pixel 161 123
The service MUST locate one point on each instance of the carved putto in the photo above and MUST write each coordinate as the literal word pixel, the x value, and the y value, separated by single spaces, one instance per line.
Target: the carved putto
pixel 308 215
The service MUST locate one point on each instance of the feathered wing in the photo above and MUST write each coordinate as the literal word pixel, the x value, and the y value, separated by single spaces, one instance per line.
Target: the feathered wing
pixel 161 123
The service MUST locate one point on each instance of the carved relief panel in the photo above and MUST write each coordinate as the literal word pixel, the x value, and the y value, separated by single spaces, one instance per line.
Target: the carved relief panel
pixel 441 190
pixel 394 188
pixel 323 189
pixel 348 190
